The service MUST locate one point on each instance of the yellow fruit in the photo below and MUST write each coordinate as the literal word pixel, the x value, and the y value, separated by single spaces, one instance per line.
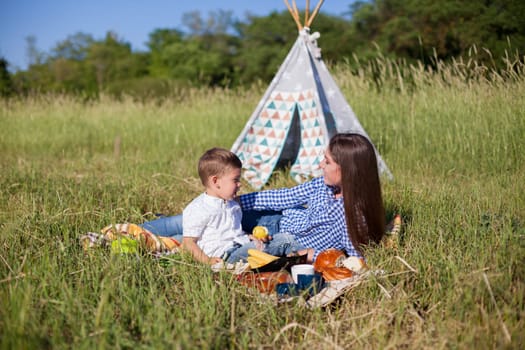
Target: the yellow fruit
pixel 260 232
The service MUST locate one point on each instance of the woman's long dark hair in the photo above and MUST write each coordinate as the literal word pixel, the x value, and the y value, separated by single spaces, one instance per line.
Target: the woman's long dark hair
pixel 364 210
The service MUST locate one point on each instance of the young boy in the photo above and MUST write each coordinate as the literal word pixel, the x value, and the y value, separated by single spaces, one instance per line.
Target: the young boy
pixel 211 223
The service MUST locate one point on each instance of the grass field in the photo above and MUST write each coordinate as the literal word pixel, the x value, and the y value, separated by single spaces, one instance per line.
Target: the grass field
pixel 455 144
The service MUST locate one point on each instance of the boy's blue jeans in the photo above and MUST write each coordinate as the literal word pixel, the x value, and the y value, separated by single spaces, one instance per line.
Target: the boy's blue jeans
pixel 281 243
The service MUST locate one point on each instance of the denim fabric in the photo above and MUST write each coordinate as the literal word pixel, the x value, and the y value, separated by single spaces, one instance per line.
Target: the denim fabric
pixel 166 226
pixel 281 244
pixel 267 218
pixel 169 226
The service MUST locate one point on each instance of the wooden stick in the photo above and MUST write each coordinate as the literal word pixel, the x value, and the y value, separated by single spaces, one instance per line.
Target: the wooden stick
pixel 311 19
pixel 306 11
pixel 296 10
pixel 295 16
pixel 406 264
pixel 503 326
pixel 7 264
pixel 384 290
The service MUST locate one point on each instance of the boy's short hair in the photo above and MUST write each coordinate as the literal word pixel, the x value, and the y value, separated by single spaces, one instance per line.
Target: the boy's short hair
pixel 217 161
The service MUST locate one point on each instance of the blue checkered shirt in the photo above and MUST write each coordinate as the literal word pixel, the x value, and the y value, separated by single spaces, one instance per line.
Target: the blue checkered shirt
pixel 311 213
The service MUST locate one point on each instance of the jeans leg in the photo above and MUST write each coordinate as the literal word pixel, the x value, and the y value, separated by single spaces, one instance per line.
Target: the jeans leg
pixel 267 218
pixel 240 253
pixel 167 226
pixel 283 244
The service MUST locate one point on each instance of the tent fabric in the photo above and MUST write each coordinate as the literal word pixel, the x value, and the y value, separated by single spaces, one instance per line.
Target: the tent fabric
pixel 298 114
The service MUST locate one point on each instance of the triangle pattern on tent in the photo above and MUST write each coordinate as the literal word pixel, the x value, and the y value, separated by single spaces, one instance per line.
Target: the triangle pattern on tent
pixel 260 149
pixel 312 141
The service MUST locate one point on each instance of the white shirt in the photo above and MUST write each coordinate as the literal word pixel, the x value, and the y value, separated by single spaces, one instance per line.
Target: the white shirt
pixel 215 222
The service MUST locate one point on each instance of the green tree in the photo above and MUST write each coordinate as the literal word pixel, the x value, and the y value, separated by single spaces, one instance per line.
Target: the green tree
pixel 265 41
pixel 159 40
pixel 68 65
pixel 202 56
pixel 37 77
pixel 335 40
pixel 6 83
pixel 420 29
pixel 35 56
pixel 112 60
pixel 217 22
pixel 200 60
pixel 74 47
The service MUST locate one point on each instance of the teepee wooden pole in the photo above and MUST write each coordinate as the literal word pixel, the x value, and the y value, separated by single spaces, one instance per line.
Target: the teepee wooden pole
pixel 295 9
pixel 295 15
pixel 306 12
pixel 311 19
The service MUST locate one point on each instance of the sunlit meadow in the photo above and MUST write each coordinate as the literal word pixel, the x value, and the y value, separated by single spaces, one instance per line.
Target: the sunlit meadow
pixel 453 138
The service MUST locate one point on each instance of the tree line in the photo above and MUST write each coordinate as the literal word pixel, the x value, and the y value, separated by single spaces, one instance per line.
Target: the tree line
pixel 222 51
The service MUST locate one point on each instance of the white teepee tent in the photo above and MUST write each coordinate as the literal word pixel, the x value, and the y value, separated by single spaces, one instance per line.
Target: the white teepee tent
pixel 299 112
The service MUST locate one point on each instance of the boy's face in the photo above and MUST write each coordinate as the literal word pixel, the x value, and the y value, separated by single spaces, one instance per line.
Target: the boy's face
pixel 225 186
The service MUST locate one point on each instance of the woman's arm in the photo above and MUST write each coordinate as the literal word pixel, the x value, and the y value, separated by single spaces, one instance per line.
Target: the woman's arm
pixel 279 199
pixel 190 244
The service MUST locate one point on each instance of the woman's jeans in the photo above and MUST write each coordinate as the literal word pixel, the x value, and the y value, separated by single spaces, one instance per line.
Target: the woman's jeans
pixel 166 226
pixel 281 244
pixel 171 226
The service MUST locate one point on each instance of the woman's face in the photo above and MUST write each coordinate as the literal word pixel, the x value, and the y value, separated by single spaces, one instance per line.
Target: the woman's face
pixel 331 170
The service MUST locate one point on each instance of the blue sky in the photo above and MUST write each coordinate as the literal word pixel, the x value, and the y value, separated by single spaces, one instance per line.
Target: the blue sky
pixel 52 21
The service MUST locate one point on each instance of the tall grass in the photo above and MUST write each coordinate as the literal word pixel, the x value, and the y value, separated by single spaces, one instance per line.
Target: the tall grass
pixel 453 138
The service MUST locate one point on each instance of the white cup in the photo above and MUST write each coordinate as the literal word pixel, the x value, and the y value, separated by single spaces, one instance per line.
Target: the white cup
pixel 302 269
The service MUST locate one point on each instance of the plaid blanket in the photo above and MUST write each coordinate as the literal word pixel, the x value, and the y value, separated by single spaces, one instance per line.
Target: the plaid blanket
pixel 116 232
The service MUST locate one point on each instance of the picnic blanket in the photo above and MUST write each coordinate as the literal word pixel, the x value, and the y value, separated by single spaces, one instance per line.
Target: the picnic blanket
pixel 159 244
pixel 117 232
pixel 127 233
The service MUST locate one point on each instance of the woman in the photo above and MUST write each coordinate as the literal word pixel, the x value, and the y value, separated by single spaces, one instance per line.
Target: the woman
pixel 343 209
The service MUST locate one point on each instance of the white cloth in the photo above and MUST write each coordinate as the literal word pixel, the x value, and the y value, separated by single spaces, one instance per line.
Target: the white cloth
pixel 215 222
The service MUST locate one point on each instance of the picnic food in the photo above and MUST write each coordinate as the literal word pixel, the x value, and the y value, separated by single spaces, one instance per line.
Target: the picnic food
pixel 336 273
pixel 260 232
pixel 265 282
pixel 354 263
pixel 329 258
pixel 330 264
pixel 256 258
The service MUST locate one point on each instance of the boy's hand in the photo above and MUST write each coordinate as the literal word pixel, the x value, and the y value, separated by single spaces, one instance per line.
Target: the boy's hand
pixel 259 243
pixel 262 240
pixel 214 260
